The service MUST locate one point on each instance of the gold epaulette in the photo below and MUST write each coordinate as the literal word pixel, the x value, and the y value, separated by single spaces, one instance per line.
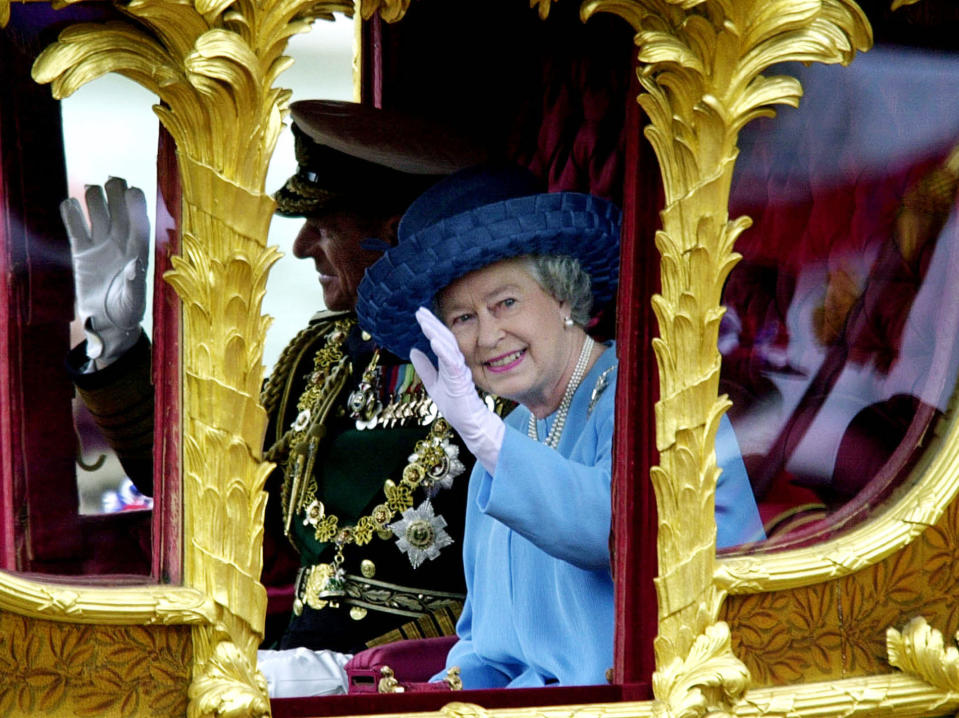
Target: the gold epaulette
pixel 276 389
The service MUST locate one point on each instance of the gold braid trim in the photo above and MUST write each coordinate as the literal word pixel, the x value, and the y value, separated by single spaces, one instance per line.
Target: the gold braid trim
pixel 275 395
pixel 331 369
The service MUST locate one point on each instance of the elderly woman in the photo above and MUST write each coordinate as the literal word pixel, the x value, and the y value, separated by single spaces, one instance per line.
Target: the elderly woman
pixel 511 274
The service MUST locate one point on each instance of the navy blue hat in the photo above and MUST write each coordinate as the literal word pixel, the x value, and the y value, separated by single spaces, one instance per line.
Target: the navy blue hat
pixel 469 220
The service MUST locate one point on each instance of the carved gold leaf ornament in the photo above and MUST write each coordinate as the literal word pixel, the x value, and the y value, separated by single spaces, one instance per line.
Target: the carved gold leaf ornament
pixel 213 65
pixel 710 676
pixel 542 7
pixel 57 669
pixel 700 68
pixel 919 650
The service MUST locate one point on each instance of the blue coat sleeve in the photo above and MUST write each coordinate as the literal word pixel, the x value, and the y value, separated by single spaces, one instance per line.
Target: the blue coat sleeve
pixel 560 504
pixel 737 516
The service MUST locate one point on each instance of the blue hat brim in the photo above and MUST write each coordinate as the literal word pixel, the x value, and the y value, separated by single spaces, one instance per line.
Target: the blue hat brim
pixel 410 274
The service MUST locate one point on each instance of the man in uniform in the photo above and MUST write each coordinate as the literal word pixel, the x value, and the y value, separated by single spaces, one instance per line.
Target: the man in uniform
pixel 370 482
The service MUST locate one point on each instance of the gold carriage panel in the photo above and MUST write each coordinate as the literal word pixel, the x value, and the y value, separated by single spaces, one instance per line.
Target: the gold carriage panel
pixel 60 669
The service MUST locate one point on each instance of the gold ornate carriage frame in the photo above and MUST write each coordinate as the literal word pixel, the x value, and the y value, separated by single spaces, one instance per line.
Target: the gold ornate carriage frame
pixel 214 64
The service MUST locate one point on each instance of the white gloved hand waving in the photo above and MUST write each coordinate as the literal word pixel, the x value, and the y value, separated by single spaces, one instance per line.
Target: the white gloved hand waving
pixel 110 259
pixel 450 386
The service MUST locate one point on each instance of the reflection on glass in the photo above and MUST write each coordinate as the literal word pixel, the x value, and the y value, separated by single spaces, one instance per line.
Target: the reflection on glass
pixel 839 340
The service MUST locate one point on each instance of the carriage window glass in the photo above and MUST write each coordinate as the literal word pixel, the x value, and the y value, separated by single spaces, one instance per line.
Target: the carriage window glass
pixel 839 342
pixel 109 130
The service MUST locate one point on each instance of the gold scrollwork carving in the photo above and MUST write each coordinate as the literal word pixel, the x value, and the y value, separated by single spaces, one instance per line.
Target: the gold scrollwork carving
pixel 709 676
pixel 389 10
pixel 701 64
pixel 920 651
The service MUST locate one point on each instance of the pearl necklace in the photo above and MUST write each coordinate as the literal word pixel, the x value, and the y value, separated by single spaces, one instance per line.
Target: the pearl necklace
pixel 556 430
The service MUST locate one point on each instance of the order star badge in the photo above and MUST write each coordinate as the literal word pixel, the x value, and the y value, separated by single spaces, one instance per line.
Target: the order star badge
pixel 439 459
pixel 420 534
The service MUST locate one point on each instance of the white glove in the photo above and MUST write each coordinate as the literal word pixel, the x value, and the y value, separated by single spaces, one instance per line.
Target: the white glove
pixel 109 266
pixel 452 390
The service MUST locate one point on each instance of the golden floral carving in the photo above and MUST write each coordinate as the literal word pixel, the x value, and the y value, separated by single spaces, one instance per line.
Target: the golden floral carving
pixel 786 637
pixel 709 676
pixel 55 669
pixel 701 63
pixel 230 685
pixel 838 628
pixel 389 10
pixel 921 651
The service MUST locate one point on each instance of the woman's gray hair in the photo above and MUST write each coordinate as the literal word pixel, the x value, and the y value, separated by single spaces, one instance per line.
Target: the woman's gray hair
pixel 560 276
pixel 564 279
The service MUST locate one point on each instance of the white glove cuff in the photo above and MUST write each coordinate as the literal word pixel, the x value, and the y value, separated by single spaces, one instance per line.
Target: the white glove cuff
pixel 487 444
pixel 105 346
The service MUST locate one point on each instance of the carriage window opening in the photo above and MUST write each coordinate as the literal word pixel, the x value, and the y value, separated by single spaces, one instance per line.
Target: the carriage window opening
pixel 838 341
pixel 109 130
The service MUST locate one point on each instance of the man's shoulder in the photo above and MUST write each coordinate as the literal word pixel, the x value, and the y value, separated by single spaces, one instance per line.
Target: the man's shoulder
pixel 322 323
pixel 304 343
pixel 328 315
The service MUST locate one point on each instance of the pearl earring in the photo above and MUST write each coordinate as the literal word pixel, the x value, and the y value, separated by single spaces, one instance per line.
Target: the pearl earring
pixel 568 322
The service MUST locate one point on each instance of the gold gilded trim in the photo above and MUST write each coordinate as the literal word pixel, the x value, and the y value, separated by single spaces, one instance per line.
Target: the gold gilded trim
pixel 389 10
pixel 458 709
pixel 542 7
pixel 133 605
pixel 700 69
pixel 876 697
pixel 920 651
pixel 357 64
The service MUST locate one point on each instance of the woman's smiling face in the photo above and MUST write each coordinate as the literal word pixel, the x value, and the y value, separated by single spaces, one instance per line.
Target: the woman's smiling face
pixel 512 334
